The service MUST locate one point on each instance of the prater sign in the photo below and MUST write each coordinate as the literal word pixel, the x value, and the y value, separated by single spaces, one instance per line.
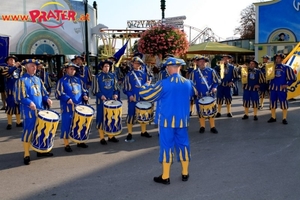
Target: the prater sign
pixel 42 16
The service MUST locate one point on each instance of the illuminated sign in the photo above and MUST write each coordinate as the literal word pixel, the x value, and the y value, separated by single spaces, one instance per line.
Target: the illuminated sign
pixel 42 16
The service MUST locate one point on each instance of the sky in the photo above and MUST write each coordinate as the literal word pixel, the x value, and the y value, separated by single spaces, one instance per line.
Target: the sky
pixel 219 15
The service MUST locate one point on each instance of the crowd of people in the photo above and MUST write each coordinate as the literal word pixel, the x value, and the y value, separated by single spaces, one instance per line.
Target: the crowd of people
pixel 28 88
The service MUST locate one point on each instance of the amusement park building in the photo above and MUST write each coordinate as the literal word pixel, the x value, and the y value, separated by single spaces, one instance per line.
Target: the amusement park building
pixel 277 28
pixel 47 29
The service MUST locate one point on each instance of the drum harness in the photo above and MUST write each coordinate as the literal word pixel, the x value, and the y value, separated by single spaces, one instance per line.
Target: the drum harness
pixel 135 76
pixel 204 80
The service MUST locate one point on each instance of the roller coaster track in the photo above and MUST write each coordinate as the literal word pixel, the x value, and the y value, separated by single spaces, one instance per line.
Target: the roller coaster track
pixel 203 36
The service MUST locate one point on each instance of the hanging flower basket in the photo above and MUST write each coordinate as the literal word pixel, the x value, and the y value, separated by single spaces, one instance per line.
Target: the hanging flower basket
pixel 162 40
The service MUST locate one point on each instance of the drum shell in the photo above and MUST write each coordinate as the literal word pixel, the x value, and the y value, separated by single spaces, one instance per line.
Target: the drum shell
pixel 144 112
pixel 112 120
pixel 42 139
pixel 81 123
pixel 207 107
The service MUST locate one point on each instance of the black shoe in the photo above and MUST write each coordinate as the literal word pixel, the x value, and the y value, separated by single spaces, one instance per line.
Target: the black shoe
pixel 3 108
pixel 44 154
pixel 284 121
pixel 113 139
pixel 146 134
pixel 260 107
pixel 103 142
pixel 27 160
pixel 255 118
pixel 185 177
pixel 19 125
pixel 202 130
pixel 8 127
pixel 68 148
pixel 82 145
pixel 214 130
pixel 160 180
pixel 129 138
pixel 229 115
pixel 271 120
pixel 218 115
pixel 245 117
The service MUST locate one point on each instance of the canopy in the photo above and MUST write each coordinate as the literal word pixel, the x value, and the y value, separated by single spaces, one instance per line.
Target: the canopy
pixel 216 48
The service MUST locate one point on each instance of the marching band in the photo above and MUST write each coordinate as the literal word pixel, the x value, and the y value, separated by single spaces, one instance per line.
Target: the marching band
pixel 28 90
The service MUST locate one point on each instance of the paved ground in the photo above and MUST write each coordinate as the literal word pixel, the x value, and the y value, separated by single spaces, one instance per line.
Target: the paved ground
pixel 246 160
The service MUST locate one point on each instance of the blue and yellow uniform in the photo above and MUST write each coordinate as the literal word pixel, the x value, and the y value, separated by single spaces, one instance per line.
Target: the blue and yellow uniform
pixel 69 87
pixel 228 75
pixel 172 92
pixel 132 84
pixel 250 96
pixel 104 86
pixel 84 73
pixel 284 76
pixel 264 88
pixel 205 88
pixel 12 74
pixel 30 90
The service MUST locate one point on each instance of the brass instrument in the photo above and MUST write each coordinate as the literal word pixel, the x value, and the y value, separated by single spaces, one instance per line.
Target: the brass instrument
pixel 270 70
pixel 222 69
pixel 244 74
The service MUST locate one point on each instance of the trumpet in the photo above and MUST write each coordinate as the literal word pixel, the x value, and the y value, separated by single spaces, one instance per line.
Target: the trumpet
pixel 244 74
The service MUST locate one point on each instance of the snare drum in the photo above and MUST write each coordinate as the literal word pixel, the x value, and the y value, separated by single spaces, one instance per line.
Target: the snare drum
pixel 83 116
pixel 207 107
pixel 112 121
pixel 144 112
pixel 42 139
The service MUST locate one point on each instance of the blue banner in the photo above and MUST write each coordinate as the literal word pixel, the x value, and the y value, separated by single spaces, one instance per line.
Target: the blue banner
pixel 120 53
pixel 4 48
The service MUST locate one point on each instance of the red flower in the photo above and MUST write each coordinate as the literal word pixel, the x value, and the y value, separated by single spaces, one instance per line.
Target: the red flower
pixel 162 40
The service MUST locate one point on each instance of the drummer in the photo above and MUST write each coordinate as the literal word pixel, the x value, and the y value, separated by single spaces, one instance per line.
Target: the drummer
pixel 32 95
pixel 132 83
pixel 206 83
pixel 70 91
pixel 104 87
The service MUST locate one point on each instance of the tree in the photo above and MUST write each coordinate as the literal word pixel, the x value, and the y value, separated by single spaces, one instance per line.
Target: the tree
pixel 247 23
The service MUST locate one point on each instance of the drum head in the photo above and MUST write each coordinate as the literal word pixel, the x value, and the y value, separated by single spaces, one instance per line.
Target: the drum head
pixel 112 104
pixel 86 110
pixel 144 105
pixel 206 100
pixel 47 114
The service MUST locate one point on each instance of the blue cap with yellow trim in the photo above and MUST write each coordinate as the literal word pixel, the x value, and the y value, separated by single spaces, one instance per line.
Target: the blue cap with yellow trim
pixel 266 56
pixel 138 54
pixel 137 59
pixel 280 55
pixel 27 61
pixel 78 56
pixel 174 62
pixel 202 58
pixel 71 65
pixel 11 56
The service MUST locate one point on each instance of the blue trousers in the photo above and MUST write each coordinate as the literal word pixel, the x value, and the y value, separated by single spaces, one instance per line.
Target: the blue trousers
pixel 173 138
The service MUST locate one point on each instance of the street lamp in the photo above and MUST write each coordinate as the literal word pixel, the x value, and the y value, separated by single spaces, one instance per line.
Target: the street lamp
pixel 163 7
pixel 87 53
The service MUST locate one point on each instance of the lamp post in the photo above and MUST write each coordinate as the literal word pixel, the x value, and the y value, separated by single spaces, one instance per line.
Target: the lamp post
pixel 163 7
pixel 87 53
